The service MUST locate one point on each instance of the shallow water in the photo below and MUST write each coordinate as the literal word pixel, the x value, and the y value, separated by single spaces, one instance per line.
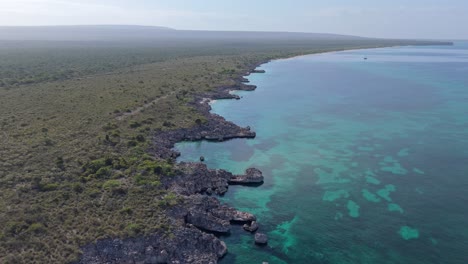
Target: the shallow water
pixel 365 161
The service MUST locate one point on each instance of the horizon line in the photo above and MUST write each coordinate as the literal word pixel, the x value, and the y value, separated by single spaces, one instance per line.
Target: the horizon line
pixel 211 30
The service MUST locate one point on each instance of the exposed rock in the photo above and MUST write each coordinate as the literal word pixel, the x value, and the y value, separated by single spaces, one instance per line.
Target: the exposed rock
pixel 245 87
pixel 261 239
pixel 202 158
pixel 215 129
pixel 197 178
pixel 218 216
pixel 244 80
pixel 252 176
pixel 206 221
pixel 185 245
pixel 258 71
pixel 252 227
pixel 239 216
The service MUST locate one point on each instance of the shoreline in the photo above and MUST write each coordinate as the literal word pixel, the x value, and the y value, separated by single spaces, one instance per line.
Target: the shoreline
pixel 200 218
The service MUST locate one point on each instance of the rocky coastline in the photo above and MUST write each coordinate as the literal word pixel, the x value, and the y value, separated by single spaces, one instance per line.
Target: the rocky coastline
pixel 199 217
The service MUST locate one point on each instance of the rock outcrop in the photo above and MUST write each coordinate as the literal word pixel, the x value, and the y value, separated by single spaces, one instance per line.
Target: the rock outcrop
pixel 251 228
pixel 261 239
pixel 215 129
pixel 208 222
pixel 208 214
pixel 184 245
pixel 252 176
pixel 197 178
pixel 258 71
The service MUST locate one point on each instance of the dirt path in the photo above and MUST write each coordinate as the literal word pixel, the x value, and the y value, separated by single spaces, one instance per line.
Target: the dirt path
pixel 143 107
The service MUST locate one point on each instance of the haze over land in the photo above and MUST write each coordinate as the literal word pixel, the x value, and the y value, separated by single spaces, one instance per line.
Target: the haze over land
pixel 154 33
pixel 428 19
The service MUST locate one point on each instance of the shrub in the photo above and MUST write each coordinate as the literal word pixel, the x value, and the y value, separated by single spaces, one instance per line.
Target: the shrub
pixel 110 126
pixel 77 187
pixel 103 172
pixel 132 143
pixel 133 229
pixel 169 199
pixel 111 185
pixel 126 211
pixel 115 186
pixel 135 124
pixel 36 228
pixel 93 166
pixel 140 138
pixel 60 163
pixel 47 187
pixel 150 181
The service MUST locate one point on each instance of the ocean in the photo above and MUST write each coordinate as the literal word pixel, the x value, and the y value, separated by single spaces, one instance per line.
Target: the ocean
pixel 364 153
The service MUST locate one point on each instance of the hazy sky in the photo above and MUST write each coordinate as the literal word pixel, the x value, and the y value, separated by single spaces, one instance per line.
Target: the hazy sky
pixel 374 18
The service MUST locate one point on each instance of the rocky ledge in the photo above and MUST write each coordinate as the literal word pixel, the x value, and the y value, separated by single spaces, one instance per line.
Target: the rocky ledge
pixel 252 176
pixel 183 245
pixel 208 214
pixel 258 71
pixel 251 228
pixel 198 179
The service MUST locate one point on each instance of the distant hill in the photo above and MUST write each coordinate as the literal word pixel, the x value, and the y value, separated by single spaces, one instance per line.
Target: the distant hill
pixel 129 33
pixel 79 33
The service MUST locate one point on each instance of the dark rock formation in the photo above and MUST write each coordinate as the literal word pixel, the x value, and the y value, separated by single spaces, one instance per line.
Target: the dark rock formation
pixel 215 129
pixel 261 239
pixel 252 176
pixel 258 71
pixel 197 178
pixel 208 214
pixel 184 245
pixel 244 80
pixel 208 222
pixel 252 227
pixel 202 159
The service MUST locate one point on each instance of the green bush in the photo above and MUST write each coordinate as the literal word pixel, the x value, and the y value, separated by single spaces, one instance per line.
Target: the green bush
pixel 133 229
pixel 150 181
pixel 132 143
pixel 126 211
pixel 36 228
pixel 77 187
pixel 93 166
pixel 103 172
pixel 111 185
pixel 135 124
pixel 47 187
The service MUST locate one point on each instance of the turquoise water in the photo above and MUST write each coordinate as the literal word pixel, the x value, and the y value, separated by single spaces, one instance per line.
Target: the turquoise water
pixel 365 161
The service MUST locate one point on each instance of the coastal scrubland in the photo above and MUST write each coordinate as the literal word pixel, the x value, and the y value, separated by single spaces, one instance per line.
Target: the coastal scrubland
pixel 77 120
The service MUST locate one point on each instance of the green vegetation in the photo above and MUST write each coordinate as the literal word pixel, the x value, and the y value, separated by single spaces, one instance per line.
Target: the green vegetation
pixel 76 121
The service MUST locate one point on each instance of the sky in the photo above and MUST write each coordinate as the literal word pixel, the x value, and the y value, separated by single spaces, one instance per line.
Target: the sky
pixel 431 19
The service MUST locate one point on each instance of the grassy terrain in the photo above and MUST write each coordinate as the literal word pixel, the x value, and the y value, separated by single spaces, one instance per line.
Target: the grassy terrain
pixel 73 166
